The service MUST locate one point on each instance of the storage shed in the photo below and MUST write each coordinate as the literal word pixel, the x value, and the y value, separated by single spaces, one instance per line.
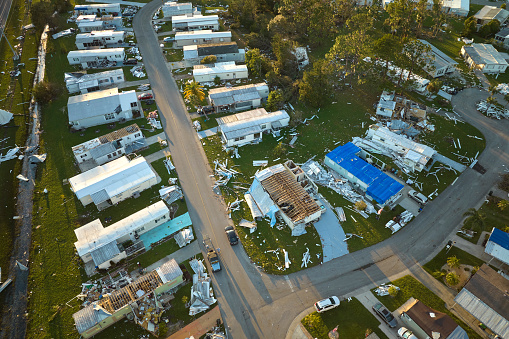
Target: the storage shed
pixel 113 182
pixel 346 162
pixel 224 70
pixel 498 245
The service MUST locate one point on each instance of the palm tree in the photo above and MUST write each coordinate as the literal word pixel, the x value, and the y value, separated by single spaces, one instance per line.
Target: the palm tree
pixel 194 92
pixel 475 219
pixel 453 262
pixel 493 90
pixel 452 279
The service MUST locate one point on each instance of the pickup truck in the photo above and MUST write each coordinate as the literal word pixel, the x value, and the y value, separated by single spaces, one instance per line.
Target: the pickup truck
pixel 212 255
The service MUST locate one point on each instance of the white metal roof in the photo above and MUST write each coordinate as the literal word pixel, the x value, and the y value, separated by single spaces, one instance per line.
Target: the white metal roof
pixel 73 78
pixel 204 34
pixel 440 58
pixel 104 52
pixel 195 19
pixel 484 54
pixel 218 68
pixel 114 177
pixel 101 34
pixel 99 103
pixel 94 235
pixel 169 271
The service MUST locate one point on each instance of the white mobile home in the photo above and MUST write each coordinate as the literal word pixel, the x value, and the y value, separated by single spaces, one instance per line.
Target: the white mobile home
pixel 224 70
pixel 238 98
pixel 97 9
pixel 226 51
pixel 100 244
pixel 102 107
pixel 89 23
pixel 489 13
pixel 204 37
pixel 172 8
pixel 195 22
pixel 84 83
pixel 113 182
pixel 89 58
pixel 99 39
pixel 438 63
pixel 111 146
pixel 248 127
pixel 485 58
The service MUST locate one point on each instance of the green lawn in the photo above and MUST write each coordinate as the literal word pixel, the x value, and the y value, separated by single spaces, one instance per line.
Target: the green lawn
pixel 440 259
pixel 351 317
pixel 154 254
pixel 151 149
pixel 494 217
pixel 173 55
pixel 410 287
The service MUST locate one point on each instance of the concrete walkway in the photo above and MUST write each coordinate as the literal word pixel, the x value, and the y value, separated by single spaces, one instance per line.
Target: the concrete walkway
pixel 155 138
pixel 200 326
pixel 446 161
pixel 157 155
pixel 180 255
pixel 368 300
pixel 207 133
pixel 331 234
pixel 484 81
pixel 133 83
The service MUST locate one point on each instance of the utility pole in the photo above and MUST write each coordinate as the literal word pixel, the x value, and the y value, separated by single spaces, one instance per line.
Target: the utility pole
pixel 15 55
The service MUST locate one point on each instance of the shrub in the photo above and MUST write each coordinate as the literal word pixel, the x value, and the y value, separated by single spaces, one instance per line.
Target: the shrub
pixel 217 80
pixel 360 205
pixel 279 150
pixel 393 291
pixel 163 330
pixel 453 262
pixel 438 274
pixel 45 92
pixel 209 59
pixel 315 325
pixel 452 279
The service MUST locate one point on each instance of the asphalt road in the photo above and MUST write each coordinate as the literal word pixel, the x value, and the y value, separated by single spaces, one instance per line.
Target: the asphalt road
pixel 5 6
pixel 257 305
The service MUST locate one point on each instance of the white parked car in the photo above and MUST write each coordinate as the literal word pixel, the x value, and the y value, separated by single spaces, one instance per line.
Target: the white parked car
pixel 405 333
pixel 327 304
pixel 419 197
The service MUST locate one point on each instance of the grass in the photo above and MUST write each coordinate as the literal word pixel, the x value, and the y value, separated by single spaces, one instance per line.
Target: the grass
pixel 351 317
pixel 173 55
pixel 494 217
pixel 151 149
pixel 410 287
pixel 165 27
pixel 154 254
pixel 129 76
pixel 209 121
pixel 440 260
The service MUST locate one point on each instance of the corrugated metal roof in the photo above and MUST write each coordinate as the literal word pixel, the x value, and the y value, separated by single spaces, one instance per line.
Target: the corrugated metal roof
pixel 90 316
pixel 99 197
pixel 381 187
pixel 100 34
pixel 242 132
pixel 195 19
pixel 105 253
pixel 218 68
pixel 102 150
pixel 483 54
pixel 227 96
pixel 169 271
pixel 217 49
pixel 483 313
pixel 95 52
pixel 249 121
pixel 488 13
pixel 500 238
pixel 119 133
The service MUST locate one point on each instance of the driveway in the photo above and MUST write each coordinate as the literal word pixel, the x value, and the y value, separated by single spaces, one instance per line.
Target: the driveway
pixel 331 234
pixel 257 305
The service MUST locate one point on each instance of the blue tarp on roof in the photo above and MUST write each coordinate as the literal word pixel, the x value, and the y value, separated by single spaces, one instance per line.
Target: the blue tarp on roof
pixel 500 238
pixel 81 8
pixel 381 187
pixel 168 228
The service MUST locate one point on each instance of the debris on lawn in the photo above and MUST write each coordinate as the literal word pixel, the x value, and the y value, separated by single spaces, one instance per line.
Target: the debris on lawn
pixel 341 214
pixel 11 154
pixel 492 111
pixel 260 163
pixel 184 237
pixel 137 71
pixel 171 194
pixel 168 164
pixel 383 290
pixel 223 172
pixel 287 260
pixel 38 158
pixel 202 296
pixel 22 177
pixel 197 265
pixel 197 125
pixel 351 235
pixel 306 258
pixel 248 224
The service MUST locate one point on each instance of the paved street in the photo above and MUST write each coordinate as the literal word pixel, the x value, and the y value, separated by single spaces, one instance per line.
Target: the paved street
pixel 256 305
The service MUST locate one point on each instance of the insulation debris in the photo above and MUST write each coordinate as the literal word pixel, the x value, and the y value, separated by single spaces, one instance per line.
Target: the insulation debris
pixel 384 289
pixel 287 260
pixel 306 258
pixel 202 296
pixel 248 224
pixel 492 111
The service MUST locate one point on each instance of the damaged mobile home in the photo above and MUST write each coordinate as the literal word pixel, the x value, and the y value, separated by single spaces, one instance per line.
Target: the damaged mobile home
pixel 84 83
pixel 284 190
pixel 239 98
pixel 223 70
pixel 99 39
pixel 113 182
pixel 90 58
pixel 224 51
pixel 248 127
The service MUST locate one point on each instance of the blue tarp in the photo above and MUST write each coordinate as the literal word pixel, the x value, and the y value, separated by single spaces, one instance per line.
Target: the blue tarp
pixel 500 238
pixel 381 187
pixel 168 228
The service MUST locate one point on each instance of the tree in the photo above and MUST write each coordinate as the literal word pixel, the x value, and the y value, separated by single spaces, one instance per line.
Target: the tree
pixel 452 279
pixel 286 62
pixel 421 13
pixel 279 150
pixel 470 27
pixel 401 16
pixel 453 262
pixel 185 299
pixel 194 92
pixel 275 100
pixel 257 63
pixel 45 92
pixel 439 17
pixel 41 14
pixel 493 89
pixel 209 59
pixel 503 204
pixel 388 48
pixel 416 56
pixel 217 80
pixel 393 291
pixel 475 219
pixel 490 28
pixel 503 6
pixel 315 88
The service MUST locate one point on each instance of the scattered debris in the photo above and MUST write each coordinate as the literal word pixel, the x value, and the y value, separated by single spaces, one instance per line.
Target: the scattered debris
pixel 260 163
pixel 202 296
pixel 287 260
pixel 184 237
pixel 306 258
pixel 171 194
pixel 384 289
pixel 22 177
pixel 248 224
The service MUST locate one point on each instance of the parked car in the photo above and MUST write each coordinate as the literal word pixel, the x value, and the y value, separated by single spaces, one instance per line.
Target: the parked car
pixel 384 313
pixel 131 61
pixel 145 96
pixel 419 197
pixel 232 235
pixel 206 110
pixel 327 304
pixel 405 333
pixel 169 39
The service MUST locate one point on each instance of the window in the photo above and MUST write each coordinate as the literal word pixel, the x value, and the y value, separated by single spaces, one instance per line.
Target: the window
pixel 109 156
pixel 137 135
pixel 221 39
pixel 119 78
pixel 109 116
pixel 257 135
pixel 76 59
pixel 133 104
pixel 264 126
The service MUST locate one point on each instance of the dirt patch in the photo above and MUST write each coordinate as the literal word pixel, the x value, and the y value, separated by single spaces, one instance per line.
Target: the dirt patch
pixel 464 272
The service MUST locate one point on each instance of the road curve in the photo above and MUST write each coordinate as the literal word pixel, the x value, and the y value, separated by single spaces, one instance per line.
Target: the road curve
pixel 256 305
